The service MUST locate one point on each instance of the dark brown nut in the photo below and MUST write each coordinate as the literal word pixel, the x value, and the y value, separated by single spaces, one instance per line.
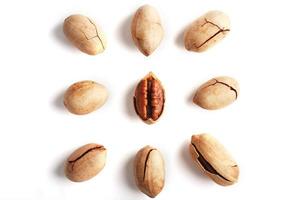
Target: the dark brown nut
pixel 85 162
pixel 149 99
pixel 213 159
pixel 149 171
pixel 217 93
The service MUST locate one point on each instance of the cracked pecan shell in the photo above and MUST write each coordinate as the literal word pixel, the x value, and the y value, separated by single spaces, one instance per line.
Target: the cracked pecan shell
pixel 213 159
pixel 217 93
pixel 206 31
pixel 84 34
pixel 149 171
pixel 149 99
pixel 85 162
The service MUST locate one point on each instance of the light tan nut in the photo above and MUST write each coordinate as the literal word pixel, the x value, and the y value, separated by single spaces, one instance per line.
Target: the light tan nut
pixel 85 162
pixel 149 171
pixel 206 31
pixel 146 29
pixel 217 93
pixel 213 159
pixel 149 99
pixel 84 34
pixel 84 97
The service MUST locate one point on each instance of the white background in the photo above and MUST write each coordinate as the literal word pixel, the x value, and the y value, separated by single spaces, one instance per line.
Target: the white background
pixel 260 129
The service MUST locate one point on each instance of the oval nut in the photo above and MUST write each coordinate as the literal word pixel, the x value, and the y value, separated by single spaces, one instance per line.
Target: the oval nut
pixel 149 171
pixel 146 29
pixel 84 97
pixel 83 33
pixel 217 93
pixel 206 31
pixel 213 159
pixel 85 162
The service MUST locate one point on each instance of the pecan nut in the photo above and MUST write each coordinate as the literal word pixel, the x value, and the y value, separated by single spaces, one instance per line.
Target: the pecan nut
pixel 85 34
pixel 85 162
pixel 213 159
pixel 146 29
pixel 149 99
pixel 217 93
pixel 149 171
pixel 206 31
